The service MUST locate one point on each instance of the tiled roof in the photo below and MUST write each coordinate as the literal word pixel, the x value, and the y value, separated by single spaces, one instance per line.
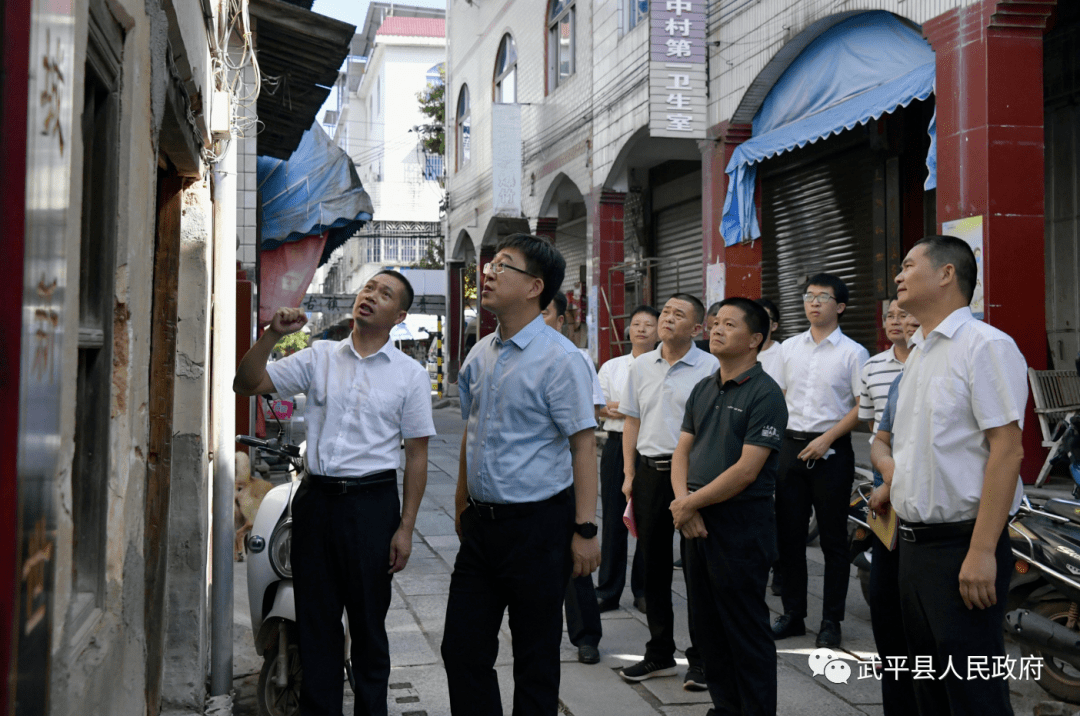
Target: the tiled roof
pixel 413 26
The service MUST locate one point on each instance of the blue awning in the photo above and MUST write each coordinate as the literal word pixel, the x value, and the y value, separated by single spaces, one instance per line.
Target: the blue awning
pixel 856 71
pixel 315 190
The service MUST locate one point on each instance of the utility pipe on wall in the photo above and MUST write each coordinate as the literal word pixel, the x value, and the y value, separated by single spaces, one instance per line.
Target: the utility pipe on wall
pixel 224 368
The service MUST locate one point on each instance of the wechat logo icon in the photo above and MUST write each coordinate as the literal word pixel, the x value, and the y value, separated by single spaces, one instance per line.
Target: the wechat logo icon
pixel 825 661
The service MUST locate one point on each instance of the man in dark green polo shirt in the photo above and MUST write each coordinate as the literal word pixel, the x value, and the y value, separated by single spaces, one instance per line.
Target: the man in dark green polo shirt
pixel 723 473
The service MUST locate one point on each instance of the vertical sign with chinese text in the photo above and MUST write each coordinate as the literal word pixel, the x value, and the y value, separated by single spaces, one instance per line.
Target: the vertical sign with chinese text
pixel 50 111
pixel 677 69
pixel 506 160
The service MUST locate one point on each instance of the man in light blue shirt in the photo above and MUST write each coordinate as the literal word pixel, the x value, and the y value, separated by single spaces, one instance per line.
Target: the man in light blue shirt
pixel 526 494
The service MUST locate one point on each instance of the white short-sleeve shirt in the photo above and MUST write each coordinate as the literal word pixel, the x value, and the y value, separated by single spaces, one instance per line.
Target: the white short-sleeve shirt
pixel 966 377
pixel 822 381
pixel 358 409
pixel 772 362
pixel 656 394
pixel 612 377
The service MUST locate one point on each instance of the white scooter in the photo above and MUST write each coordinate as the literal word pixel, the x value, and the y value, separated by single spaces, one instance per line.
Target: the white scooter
pixel 270 591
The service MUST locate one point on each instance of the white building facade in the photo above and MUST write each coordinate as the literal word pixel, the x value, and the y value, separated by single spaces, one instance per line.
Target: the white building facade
pixel 400 55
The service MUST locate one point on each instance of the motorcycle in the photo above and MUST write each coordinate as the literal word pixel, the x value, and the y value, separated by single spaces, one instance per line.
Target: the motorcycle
pixel 860 536
pixel 270 588
pixel 1043 607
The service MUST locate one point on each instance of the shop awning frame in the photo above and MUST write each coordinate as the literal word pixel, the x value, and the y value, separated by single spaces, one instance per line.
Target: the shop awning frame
pixel 810 83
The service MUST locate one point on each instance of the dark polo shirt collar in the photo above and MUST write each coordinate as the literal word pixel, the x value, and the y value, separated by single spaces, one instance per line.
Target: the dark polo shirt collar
pixel 723 416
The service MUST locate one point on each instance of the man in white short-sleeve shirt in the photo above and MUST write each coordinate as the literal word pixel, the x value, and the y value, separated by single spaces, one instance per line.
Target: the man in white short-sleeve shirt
pixel 654 403
pixel 957 449
pixel 821 380
pixel 348 538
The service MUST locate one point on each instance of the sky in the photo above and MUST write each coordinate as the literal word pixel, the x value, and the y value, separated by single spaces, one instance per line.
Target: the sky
pixel 354 12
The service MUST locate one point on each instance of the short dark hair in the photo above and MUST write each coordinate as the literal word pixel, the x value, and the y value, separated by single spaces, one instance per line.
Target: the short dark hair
pixel 840 290
pixel 559 299
pixel 542 260
pixel 774 312
pixel 714 309
pixel 757 318
pixel 699 307
pixel 943 250
pixel 644 308
pixel 407 299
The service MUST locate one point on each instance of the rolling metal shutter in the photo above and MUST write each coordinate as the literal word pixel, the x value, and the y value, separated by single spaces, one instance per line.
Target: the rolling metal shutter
pixel 570 241
pixel 678 246
pixel 818 216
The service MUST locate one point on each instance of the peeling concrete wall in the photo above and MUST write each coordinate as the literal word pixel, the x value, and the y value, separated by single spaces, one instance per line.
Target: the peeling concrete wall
pixel 99 657
pixel 187 638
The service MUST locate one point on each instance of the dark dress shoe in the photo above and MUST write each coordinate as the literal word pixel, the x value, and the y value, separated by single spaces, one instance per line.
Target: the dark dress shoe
pixel 607 605
pixel 588 654
pixel 828 633
pixel 787 625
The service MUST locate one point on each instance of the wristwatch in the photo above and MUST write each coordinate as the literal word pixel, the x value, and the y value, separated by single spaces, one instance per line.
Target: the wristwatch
pixel 586 529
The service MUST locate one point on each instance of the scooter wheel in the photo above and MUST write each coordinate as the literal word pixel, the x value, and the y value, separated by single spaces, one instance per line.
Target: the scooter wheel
pixel 273 699
pixel 1058 678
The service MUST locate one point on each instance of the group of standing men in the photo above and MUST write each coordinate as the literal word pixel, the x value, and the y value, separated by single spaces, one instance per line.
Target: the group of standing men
pixel 732 447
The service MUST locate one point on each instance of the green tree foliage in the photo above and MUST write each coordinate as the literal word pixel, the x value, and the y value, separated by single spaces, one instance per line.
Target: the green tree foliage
pixel 432 105
pixel 293 342
pixel 434 255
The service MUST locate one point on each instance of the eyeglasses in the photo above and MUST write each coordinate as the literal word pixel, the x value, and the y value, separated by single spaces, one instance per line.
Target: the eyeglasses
pixel 498 268
pixel 817 298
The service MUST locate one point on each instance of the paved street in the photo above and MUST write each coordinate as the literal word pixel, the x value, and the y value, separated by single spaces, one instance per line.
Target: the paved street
pixel 415 624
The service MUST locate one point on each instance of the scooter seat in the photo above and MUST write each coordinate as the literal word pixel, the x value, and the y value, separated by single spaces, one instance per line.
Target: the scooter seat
pixel 1068 509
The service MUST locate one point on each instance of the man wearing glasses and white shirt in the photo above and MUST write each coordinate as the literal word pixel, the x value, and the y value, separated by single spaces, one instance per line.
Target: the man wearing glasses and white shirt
pixel 957 449
pixel 822 381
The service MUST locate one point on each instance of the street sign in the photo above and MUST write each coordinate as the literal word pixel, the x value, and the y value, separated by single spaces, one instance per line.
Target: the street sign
pixel 434 305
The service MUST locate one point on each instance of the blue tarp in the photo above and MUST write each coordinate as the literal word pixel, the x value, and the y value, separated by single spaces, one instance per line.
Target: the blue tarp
pixel 316 190
pixel 853 72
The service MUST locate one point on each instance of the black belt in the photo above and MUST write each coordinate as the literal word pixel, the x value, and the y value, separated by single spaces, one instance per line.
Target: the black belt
pixel 801 436
pixel 504 511
pixel 346 485
pixel 660 462
pixel 932 531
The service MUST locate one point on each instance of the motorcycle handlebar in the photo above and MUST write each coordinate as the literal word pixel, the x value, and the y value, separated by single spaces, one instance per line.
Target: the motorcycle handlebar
pixel 284 450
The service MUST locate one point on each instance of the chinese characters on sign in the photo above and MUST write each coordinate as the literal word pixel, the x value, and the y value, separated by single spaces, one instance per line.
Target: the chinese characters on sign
pixel 506 160
pixel 677 78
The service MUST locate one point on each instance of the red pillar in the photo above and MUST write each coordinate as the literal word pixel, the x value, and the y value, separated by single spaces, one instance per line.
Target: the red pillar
pixel 990 163
pixel 607 251
pixel 487 318
pixel 455 321
pixel 742 261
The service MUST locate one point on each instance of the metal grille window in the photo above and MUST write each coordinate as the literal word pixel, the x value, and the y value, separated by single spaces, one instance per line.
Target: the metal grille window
pixel 506 72
pixel 561 29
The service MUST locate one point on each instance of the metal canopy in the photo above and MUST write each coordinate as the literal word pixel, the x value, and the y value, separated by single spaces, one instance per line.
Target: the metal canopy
pixel 299 54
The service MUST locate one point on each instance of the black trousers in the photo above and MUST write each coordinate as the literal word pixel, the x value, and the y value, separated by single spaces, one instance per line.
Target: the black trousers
pixel 726 575
pixel 611 578
pixel 939 625
pixel 340 547
pixel 897 687
pixel 824 485
pixel 521 565
pixel 582 612
pixel 653 495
